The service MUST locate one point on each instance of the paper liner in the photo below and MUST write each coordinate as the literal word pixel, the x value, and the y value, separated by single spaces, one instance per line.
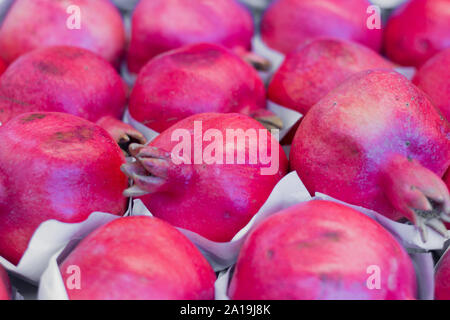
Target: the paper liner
pixel 276 58
pixel 289 117
pixel 423 265
pixel 148 133
pixel 50 237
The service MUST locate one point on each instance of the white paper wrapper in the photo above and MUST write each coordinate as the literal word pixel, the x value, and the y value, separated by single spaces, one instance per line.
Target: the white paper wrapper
pixel 51 286
pixel 408 72
pixel 148 133
pixel 50 237
pixel 289 117
pixel 276 58
pixel 423 264
pixel 287 192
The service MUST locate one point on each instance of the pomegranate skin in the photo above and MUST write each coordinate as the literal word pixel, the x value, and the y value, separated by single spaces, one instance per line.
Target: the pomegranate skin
pixel 378 142
pixel 139 258
pixel 32 24
pixel 224 22
pixel 72 169
pixel 433 79
pixel 288 24
pixel 321 250
pixel 195 79
pixel 310 72
pixel 417 31
pixel 211 197
pixel 442 278
pixel 5 287
pixel 62 79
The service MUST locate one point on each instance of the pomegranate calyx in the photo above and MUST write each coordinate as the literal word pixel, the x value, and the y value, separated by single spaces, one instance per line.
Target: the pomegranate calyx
pixel 123 133
pixel 256 61
pixel 418 193
pixel 268 119
pixel 153 170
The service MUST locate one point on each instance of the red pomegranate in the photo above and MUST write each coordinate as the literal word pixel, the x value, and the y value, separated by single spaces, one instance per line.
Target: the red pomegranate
pixel 3 67
pixel 224 22
pixel 311 71
pixel 321 250
pixel 433 78
pixel 70 80
pixel 138 258
pixel 417 31
pixel 54 166
pixel 442 278
pixel 196 79
pixel 209 173
pixel 5 287
pixel 288 24
pixel 377 141
pixel 32 24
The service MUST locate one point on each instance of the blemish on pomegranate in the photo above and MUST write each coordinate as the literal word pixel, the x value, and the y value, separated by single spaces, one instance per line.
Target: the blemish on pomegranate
pixel 49 68
pixel 32 117
pixel 270 254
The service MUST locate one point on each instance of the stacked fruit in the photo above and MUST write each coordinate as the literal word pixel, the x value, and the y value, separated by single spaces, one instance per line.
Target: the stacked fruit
pixel 212 190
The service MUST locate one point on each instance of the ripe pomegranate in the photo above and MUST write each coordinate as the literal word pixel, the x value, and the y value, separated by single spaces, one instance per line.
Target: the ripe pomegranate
pixel 66 79
pixel 433 78
pixel 54 166
pixel 5 287
pixel 442 278
pixel 196 79
pixel 139 258
pixel 322 250
pixel 32 24
pixel 208 187
pixel 287 24
pixel 377 141
pixel 3 67
pixel 311 71
pixel 417 31
pixel 224 22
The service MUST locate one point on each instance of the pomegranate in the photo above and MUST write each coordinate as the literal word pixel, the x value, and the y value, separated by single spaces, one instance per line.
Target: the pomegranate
pixel 213 187
pixel 224 22
pixel 5 287
pixel 3 67
pixel 138 258
pixel 311 71
pixel 442 278
pixel 66 79
pixel 32 24
pixel 321 250
pixel 377 141
pixel 433 78
pixel 417 31
pixel 286 24
pixel 72 169
pixel 195 79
